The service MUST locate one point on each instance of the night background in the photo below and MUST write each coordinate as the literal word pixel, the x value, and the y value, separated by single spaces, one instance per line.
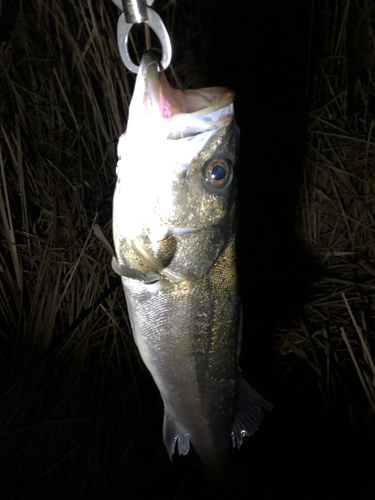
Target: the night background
pixel 80 416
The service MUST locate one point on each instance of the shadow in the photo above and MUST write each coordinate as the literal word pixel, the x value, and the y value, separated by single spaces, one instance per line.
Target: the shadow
pixel 263 55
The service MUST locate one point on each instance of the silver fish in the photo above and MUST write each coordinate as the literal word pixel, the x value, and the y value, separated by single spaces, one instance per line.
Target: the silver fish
pixel 174 227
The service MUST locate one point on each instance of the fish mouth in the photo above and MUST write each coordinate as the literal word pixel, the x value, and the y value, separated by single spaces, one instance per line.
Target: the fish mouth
pixel 180 107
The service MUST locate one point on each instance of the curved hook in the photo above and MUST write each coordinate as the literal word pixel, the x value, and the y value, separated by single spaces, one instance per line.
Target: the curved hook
pixel 157 25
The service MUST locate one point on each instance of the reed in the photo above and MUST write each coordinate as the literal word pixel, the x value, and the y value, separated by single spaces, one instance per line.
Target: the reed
pixel 67 355
pixel 335 334
pixel 72 424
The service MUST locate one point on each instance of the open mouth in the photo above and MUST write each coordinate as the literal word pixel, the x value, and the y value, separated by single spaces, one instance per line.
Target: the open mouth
pixel 159 95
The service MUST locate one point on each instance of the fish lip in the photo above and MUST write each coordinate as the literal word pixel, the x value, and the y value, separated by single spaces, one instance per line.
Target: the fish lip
pixel 158 95
pixel 150 74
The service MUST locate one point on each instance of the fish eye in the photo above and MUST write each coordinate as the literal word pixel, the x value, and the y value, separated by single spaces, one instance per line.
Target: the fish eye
pixel 218 172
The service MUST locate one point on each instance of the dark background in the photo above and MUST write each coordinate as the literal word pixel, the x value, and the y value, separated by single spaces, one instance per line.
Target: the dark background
pixel 266 51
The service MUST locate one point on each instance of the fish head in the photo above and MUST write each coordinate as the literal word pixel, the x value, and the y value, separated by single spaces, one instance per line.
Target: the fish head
pixel 175 199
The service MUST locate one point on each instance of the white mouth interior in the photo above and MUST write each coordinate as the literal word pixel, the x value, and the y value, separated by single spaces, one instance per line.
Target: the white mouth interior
pixel 198 102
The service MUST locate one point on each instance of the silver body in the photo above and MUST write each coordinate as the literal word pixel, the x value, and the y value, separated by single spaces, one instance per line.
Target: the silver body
pixel 175 238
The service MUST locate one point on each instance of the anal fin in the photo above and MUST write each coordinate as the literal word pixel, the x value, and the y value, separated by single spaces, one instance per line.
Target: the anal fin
pixel 249 412
pixel 172 436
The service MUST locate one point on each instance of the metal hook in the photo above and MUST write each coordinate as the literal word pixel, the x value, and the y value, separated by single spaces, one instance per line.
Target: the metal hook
pixel 136 11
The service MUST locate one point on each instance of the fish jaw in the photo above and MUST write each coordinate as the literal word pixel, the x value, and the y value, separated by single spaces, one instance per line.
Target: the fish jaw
pixel 178 113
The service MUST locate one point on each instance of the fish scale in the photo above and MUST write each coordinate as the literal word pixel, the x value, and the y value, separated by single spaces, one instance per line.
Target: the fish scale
pixel 176 251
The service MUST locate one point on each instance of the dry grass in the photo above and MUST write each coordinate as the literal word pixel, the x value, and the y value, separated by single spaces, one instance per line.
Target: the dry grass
pixel 69 368
pixel 336 334
pixel 67 356
pixel 70 418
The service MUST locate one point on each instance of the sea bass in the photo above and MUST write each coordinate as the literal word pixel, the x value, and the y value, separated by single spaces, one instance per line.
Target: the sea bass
pixel 174 228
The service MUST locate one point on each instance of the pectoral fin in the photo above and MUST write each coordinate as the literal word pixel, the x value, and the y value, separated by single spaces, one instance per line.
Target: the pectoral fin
pixel 249 412
pixel 173 435
pixel 128 272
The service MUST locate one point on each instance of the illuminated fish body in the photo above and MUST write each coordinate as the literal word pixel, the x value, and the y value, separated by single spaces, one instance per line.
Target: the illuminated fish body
pixel 174 227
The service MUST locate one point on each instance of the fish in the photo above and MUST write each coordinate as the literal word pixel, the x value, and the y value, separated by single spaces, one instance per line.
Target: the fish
pixel 174 230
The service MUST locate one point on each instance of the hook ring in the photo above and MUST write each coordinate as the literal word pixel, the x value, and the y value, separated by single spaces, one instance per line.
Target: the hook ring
pixel 157 25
